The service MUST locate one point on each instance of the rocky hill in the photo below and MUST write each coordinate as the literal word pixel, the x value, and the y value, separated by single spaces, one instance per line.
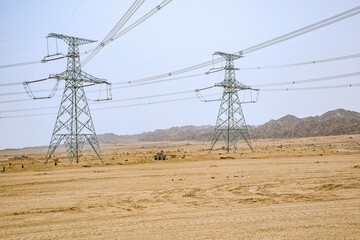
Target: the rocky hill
pixel 337 122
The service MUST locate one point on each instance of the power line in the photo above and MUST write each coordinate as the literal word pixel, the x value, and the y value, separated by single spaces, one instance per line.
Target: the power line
pixel 293 34
pixel 19 64
pixel 114 88
pixel 304 30
pixel 140 82
pixel 327 60
pixel 21 100
pixel 34 62
pixel 27 115
pixel 18 39
pixel 118 100
pixel 178 93
pixel 23 92
pixel 111 36
pixel 10 84
pixel 114 34
pixel 313 88
pixel 188 98
pixel 73 14
pixel 327 78
pixel 147 103
pixel 112 107
pixel 28 109
pixel 134 7
pixel 143 18
pixel 153 96
pixel 310 80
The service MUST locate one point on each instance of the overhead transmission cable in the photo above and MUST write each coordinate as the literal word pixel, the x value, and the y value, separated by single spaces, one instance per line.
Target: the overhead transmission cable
pixel 10 84
pixel 118 100
pixel 284 37
pixel 296 33
pixel 114 33
pixel 290 35
pixel 301 31
pixel 327 60
pixel 310 80
pixel 19 64
pixel 112 107
pixel 151 80
pixel 260 89
pixel 327 78
pixel 134 7
pixel 141 83
pixel 184 99
pixel 142 19
pixel 293 34
pixel 313 88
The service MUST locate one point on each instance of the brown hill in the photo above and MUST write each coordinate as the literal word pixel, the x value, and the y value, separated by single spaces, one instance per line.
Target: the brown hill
pixel 337 122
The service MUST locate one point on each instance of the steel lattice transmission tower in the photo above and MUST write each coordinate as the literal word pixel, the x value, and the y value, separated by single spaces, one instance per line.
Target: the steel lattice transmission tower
pixel 230 123
pixel 74 124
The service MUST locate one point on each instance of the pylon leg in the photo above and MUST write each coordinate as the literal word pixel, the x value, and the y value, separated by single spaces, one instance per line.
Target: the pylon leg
pixel 214 139
pixel 94 143
pixel 54 143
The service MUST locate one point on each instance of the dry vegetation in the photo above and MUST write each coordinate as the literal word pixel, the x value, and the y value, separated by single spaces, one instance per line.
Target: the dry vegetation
pixel 306 188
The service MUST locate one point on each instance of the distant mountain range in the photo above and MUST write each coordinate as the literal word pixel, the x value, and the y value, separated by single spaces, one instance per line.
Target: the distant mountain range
pixel 337 122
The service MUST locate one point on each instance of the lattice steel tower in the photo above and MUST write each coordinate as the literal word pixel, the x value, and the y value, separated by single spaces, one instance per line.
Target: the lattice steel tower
pixel 74 124
pixel 230 124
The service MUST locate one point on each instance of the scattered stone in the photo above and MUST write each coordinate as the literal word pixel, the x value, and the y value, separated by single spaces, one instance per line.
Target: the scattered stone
pixel 22 157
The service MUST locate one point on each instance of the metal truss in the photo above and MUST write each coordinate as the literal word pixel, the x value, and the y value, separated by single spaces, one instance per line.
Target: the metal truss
pixel 230 123
pixel 74 124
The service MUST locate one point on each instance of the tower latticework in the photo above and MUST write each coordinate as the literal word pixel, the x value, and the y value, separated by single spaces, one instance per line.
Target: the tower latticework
pixel 74 125
pixel 230 123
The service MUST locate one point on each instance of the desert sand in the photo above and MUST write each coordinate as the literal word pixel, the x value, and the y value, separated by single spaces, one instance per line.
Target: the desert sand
pixel 305 188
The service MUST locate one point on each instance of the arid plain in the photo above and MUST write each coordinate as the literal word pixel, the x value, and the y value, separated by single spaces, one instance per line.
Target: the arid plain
pixel 307 188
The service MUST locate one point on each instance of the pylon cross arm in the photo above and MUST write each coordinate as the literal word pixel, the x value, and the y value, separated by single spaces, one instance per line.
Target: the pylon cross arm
pixel 85 77
pixel 70 39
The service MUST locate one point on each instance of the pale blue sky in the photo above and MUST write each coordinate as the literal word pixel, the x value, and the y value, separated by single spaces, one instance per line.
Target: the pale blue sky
pixel 182 34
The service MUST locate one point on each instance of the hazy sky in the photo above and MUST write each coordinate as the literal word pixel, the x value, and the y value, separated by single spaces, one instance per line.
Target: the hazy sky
pixel 183 34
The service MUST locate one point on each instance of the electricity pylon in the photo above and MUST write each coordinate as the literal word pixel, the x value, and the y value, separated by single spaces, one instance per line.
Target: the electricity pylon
pixel 74 124
pixel 230 123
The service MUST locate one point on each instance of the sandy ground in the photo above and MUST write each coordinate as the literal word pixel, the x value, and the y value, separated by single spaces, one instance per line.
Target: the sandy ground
pixel 287 189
